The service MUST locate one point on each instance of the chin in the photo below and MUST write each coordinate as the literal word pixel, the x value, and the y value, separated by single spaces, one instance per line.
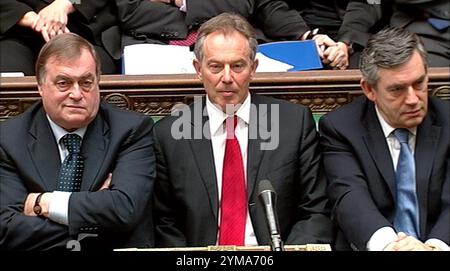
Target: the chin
pixel 413 122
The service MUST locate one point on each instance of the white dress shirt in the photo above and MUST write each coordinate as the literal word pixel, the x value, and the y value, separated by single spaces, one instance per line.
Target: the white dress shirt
pixel 59 200
pixel 218 139
pixel 385 235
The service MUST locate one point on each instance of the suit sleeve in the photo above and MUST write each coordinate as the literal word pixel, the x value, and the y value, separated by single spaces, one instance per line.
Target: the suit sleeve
pixel 313 224
pixel 166 231
pixel 352 204
pixel 358 20
pixel 122 205
pixel 278 21
pixel 11 11
pixel 89 8
pixel 199 11
pixel 147 18
pixel 440 229
pixel 18 231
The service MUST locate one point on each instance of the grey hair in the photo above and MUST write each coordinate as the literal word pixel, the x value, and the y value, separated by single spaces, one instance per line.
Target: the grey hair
pixel 64 46
pixel 226 23
pixel 388 49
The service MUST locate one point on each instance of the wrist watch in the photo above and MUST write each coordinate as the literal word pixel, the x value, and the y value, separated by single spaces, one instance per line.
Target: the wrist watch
pixel 37 208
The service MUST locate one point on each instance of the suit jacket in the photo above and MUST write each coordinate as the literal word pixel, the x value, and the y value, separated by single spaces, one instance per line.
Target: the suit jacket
pixel 95 20
pixel 117 142
pixel 167 22
pixel 361 175
pixel 361 20
pixel 186 194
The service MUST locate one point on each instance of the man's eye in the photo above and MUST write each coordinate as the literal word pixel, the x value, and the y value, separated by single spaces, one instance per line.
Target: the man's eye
pixel 238 67
pixel 63 85
pixel 86 84
pixel 215 67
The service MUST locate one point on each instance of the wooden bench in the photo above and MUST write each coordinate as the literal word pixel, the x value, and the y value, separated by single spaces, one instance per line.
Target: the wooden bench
pixel 155 95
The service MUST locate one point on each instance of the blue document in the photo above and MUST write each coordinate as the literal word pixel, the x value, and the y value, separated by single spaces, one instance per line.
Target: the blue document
pixel 302 55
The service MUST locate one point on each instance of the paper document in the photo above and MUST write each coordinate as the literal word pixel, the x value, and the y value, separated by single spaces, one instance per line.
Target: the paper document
pixel 157 59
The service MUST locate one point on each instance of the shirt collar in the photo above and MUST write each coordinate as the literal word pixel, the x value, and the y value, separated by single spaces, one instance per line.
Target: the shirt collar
pixel 388 129
pixel 217 116
pixel 59 132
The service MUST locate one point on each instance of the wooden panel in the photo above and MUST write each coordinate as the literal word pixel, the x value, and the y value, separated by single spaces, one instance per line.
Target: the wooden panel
pixel 155 95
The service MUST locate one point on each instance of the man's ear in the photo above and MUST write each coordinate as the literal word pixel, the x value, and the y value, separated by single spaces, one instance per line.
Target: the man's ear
pixel 198 68
pixel 39 89
pixel 255 66
pixel 368 90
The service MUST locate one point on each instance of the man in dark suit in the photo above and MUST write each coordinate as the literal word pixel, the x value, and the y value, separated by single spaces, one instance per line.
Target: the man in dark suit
pixel 276 141
pixel 26 25
pixel 42 207
pixel 429 19
pixel 364 156
pixel 173 20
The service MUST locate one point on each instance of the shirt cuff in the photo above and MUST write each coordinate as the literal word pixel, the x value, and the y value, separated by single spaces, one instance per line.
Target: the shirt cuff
pixel 59 207
pixel 381 238
pixel 183 6
pixel 438 243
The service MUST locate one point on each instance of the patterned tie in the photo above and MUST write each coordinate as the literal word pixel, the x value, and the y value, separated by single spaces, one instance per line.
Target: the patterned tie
pixel 72 168
pixel 406 213
pixel 234 197
pixel 191 38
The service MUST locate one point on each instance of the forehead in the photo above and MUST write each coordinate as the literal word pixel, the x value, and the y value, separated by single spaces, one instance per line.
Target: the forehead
pixel 230 46
pixel 73 65
pixel 406 73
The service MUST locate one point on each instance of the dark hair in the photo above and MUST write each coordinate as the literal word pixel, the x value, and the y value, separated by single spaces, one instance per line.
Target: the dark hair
pixel 64 46
pixel 387 49
pixel 226 23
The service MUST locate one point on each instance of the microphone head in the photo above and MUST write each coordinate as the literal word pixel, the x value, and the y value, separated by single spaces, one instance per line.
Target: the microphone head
pixel 265 185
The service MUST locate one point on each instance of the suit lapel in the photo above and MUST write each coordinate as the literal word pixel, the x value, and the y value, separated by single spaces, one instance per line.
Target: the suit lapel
pixel 44 151
pixel 426 143
pixel 376 144
pixel 255 154
pixel 203 154
pixel 95 145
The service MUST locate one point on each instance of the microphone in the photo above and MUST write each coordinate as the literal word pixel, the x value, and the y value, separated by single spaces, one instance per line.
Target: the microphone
pixel 268 197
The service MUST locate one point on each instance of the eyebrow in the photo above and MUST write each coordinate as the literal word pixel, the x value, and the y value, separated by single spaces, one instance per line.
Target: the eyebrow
pixel 394 86
pixel 65 77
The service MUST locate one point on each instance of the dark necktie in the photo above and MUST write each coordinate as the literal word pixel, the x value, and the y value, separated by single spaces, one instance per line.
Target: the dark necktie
pixel 406 214
pixel 72 168
pixel 233 207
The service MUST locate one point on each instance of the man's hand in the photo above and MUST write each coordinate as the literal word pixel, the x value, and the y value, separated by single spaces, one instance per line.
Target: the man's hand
pixel 107 183
pixel 407 243
pixel 336 56
pixel 30 201
pixel 29 20
pixel 55 18
pixel 323 42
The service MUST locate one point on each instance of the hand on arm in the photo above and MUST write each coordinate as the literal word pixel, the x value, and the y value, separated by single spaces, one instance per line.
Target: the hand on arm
pixel 408 243
pixel 30 202
pixel 55 18
pixel 29 20
pixel 44 201
pixel 336 56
